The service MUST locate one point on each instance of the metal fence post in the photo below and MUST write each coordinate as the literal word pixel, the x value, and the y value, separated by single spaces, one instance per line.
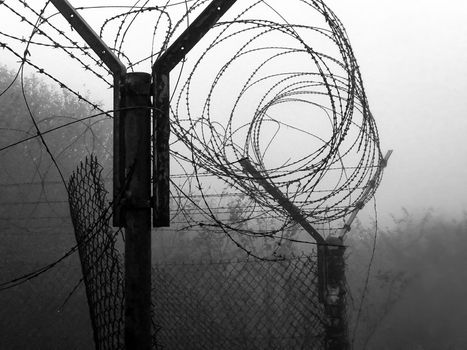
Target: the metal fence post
pixel 137 211
pixel 335 292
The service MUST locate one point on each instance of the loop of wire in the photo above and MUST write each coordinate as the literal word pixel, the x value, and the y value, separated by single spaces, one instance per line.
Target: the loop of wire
pixel 275 82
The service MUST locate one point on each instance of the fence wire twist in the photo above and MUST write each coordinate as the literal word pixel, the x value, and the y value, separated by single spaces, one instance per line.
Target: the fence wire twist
pixel 249 304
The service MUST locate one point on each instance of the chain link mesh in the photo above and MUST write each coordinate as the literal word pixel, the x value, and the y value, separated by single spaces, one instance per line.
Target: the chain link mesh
pixel 100 261
pixel 254 304
pixel 249 304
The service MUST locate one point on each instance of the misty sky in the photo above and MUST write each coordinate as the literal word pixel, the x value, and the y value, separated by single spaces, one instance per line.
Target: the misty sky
pixel 412 56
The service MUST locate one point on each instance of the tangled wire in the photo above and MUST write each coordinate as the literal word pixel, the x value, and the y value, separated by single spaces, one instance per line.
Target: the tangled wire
pixel 289 97
pixel 275 82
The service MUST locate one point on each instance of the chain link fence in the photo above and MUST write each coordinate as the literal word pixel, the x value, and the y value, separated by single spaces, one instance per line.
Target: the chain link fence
pixel 235 304
pixel 100 261
pixel 249 304
pixel 253 304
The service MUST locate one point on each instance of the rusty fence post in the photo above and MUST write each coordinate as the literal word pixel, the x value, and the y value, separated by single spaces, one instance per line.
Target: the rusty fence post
pixel 335 295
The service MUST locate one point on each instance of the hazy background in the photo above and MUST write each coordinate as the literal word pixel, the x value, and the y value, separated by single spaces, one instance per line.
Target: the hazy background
pixel 412 57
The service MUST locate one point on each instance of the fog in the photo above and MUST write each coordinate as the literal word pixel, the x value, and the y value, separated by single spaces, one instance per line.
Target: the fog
pixel 412 56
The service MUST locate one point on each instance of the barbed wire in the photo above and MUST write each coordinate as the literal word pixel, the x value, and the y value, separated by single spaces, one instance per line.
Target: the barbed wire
pixel 102 217
pixel 275 82
pixel 42 20
pixel 219 137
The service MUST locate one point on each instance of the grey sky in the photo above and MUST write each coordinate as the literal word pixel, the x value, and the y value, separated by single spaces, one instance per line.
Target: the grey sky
pixel 412 57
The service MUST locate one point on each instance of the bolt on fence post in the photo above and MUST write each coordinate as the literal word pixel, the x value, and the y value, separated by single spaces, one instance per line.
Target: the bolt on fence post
pixel 335 295
pixel 137 211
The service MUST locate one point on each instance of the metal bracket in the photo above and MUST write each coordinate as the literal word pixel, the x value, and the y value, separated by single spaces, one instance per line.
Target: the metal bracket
pixel 118 70
pixel 161 118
